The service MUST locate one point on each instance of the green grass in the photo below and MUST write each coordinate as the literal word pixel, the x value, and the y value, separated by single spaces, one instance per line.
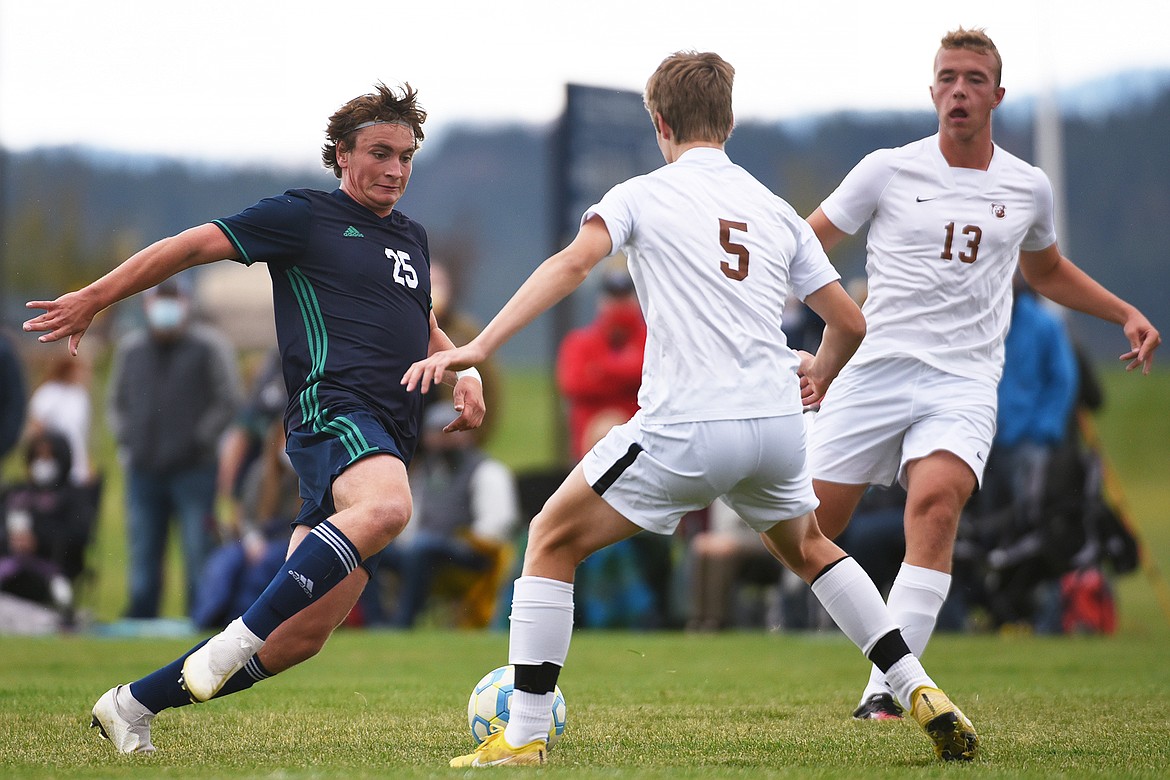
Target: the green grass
pixel 639 705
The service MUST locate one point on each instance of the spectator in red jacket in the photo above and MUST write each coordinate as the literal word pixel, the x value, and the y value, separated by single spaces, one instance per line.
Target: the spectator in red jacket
pixel 599 366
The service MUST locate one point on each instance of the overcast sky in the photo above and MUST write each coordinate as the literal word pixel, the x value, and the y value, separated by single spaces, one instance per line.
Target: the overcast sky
pixel 254 81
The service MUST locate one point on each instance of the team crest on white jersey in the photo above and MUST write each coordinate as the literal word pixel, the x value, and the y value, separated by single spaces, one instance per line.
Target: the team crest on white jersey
pixel 999 210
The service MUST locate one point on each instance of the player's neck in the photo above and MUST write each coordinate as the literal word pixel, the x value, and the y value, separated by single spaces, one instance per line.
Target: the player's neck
pixel 675 151
pixel 973 152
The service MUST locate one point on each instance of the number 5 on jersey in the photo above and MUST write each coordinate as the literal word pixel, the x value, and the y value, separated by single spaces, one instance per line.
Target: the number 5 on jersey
pixel 739 271
pixel 404 272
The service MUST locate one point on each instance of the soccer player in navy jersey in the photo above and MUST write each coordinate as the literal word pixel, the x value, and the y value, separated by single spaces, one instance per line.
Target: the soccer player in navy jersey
pixel 351 291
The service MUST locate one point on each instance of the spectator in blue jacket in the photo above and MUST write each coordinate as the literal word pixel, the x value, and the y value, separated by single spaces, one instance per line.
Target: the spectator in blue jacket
pixel 1036 397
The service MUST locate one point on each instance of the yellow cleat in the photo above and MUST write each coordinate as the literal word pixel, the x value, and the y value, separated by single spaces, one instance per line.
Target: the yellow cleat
pixel 952 733
pixel 495 751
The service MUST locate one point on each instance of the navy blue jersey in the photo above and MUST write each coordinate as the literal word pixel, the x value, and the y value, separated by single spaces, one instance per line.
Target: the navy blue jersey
pixel 352 298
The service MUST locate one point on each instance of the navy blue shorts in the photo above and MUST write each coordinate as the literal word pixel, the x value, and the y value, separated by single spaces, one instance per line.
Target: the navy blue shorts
pixel 319 458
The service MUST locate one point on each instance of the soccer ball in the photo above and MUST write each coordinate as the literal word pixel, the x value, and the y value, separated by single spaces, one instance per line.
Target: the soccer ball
pixel 488 708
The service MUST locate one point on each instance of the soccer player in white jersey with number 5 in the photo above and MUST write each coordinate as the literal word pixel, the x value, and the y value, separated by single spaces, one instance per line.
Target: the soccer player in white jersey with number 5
pixel 714 255
pixel 950 217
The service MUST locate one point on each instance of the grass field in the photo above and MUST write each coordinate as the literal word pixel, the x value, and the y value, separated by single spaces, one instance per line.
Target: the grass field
pixel 640 705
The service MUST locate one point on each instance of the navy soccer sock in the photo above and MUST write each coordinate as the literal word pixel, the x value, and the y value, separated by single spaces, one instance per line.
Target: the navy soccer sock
pixel 323 558
pixel 160 689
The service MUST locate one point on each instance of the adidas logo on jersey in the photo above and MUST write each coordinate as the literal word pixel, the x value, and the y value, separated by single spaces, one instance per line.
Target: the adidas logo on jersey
pixel 305 583
pixel 352 232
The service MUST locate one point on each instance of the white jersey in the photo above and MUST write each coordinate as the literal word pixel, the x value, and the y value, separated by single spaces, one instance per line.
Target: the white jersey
pixel 943 245
pixel 714 256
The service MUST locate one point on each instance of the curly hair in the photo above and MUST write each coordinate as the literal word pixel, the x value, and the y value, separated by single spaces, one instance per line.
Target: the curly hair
pixel 382 105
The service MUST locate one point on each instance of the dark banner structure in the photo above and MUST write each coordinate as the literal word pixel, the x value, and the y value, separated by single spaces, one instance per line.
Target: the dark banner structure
pixel 604 137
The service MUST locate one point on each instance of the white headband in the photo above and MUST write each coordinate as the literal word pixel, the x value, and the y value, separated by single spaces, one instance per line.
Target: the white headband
pixel 373 122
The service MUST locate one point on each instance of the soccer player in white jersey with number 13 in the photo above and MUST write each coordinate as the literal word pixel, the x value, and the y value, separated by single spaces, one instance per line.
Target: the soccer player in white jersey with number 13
pixel 714 255
pixel 949 218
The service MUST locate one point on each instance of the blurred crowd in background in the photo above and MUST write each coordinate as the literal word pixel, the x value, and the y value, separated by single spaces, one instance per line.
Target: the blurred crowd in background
pixel 199 437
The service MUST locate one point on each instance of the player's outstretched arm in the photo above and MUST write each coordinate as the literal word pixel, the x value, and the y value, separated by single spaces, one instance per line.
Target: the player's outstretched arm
pixel 71 314
pixel 827 233
pixel 1057 278
pixel 553 279
pixel 467 397
pixel 844 330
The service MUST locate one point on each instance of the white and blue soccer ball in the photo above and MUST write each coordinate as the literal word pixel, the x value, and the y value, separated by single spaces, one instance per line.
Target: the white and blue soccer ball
pixel 489 706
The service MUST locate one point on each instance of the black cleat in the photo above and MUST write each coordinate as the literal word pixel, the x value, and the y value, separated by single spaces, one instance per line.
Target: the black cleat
pixel 879 706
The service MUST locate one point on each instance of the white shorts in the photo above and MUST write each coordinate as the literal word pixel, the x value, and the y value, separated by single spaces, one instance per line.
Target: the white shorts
pixel 879 416
pixel 653 474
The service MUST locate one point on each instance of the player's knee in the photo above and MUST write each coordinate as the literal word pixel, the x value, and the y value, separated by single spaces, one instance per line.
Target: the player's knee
pixel 934 522
pixel 549 540
pixel 390 514
pixel 801 546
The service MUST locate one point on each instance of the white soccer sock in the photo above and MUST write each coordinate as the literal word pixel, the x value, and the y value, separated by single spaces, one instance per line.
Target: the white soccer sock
pixel 541 627
pixel 853 601
pixel 530 718
pixel 907 676
pixel 916 598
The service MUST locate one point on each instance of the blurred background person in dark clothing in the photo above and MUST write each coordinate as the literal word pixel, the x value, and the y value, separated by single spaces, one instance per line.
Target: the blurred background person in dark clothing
pixel 174 387
pixel 12 397
pixel 48 521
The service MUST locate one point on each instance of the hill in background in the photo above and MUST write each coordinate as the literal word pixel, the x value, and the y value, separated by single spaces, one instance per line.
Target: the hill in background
pixel 484 195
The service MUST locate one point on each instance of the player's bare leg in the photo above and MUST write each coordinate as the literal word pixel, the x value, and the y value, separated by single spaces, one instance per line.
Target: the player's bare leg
pixel 938 487
pixel 372 498
pixel 838 501
pixel 304 634
pixel 853 601
pixel 126 722
pixel 574 523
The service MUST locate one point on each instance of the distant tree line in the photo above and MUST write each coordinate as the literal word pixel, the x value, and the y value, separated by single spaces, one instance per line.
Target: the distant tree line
pixel 68 215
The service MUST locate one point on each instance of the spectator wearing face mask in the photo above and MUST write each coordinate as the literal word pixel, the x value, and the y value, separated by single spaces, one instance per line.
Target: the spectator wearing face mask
pixel 174 388
pixel 46 526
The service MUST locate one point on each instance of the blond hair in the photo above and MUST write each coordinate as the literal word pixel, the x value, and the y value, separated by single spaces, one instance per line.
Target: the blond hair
pixel 975 40
pixel 692 93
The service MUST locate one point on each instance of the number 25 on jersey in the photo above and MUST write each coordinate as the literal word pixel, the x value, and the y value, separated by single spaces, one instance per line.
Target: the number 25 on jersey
pixel 404 272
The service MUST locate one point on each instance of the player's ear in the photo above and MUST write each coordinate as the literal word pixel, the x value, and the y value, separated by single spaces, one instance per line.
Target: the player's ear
pixel 341 151
pixel 664 130
pixel 999 93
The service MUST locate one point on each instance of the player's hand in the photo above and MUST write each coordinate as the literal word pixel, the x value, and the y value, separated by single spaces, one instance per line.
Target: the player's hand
pixel 812 388
pixel 430 371
pixel 1143 340
pixel 68 316
pixel 468 400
